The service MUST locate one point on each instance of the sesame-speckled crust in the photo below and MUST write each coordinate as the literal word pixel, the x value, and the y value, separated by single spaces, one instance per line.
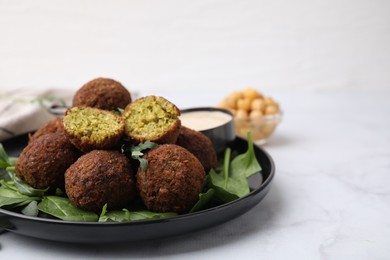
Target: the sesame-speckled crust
pixel 43 161
pixel 168 137
pixel 52 126
pixel 100 177
pixel 87 144
pixel 103 93
pixel 199 145
pixel 173 180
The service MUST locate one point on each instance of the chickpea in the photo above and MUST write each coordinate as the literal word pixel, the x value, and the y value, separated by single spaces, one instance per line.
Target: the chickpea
pixel 241 114
pixel 255 115
pixel 244 103
pixel 258 104
pixel 249 106
pixel 268 101
pixel 230 102
pixel 250 93
pixel 236 95
pixel 271 110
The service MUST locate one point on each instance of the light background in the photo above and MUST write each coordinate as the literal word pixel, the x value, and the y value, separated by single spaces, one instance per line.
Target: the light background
pixel 211 45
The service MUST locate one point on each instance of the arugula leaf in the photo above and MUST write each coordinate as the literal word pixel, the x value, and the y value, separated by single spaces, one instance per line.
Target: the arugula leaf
pixel 8 164
pixel 12 198
pixel 114 216
pixel 126 215
pixel 59 192
pixel 31 209
pixel 232 181
pixel 245 164
pixel 204 198
pixel 62 208
pixel 136 152
pixel 236 187
pixel 9 184
pixel 12 160
pixel 4 159
pixel 226 164
pixel 23 187
pixel 145 214
pixel 104 211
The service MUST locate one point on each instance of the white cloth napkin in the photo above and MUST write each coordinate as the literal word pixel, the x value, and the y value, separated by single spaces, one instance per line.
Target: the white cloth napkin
pixel 26 110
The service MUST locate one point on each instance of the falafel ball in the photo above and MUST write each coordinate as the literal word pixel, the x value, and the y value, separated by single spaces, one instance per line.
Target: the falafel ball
pixel 100 177
pixel 173 180
pixel 92 128
pixel 199 145
pixel 103 93
pixel 52 126
pixel 152 118
pixel 43 161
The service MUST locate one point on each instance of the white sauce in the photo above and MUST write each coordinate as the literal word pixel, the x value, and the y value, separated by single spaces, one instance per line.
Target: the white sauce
pixel 204 120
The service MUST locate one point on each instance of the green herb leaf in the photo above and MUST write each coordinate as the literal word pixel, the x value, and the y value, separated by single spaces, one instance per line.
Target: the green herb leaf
pixel 144 164
pixel 245 164
pixel 226 164
pixel 59 192
pixel 9 184
pixel 62 208
pixel 126 215
pixel 145 215
pixel 12 160
pixel 12 198
pixel 5 162
pixel 4 159
pixel 104 211
pixel 31 209
pixel 136 152
pixel 204 199
pixel 23 187
pixel 231 180
pixel 235 188
pixel 143 146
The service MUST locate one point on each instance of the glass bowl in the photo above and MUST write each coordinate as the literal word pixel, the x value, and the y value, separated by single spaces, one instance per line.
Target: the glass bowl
pixel 261 128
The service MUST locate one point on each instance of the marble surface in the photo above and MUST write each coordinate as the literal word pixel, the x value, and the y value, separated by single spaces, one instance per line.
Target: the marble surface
pixel 329 199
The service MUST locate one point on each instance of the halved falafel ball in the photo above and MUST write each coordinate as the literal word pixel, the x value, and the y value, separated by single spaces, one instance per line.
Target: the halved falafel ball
pixel 173 180
pixel 92 128
pixel 52 126
pixel 43 161
pixel 103 93
pixel 152 118
pixel 100 177
pixel 199 145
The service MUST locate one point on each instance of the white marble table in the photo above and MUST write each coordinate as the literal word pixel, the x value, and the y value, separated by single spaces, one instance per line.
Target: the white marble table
pixel 330 198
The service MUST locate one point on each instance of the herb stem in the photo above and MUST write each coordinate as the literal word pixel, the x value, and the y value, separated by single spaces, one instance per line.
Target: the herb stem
pixel 226 164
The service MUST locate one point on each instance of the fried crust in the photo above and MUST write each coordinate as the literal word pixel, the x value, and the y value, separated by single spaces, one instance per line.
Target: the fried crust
pixel 43 161
pixel 102 93
pixel 173 180
pixel 100 177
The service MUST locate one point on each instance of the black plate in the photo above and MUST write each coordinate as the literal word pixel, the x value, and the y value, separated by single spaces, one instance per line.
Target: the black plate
pixel 95 232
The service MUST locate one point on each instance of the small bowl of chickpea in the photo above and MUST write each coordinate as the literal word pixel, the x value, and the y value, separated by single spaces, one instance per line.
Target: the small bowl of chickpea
pixel 253 112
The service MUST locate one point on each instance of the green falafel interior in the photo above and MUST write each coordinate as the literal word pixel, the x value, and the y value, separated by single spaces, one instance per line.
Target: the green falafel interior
pixel 92 123
pixel 150 116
